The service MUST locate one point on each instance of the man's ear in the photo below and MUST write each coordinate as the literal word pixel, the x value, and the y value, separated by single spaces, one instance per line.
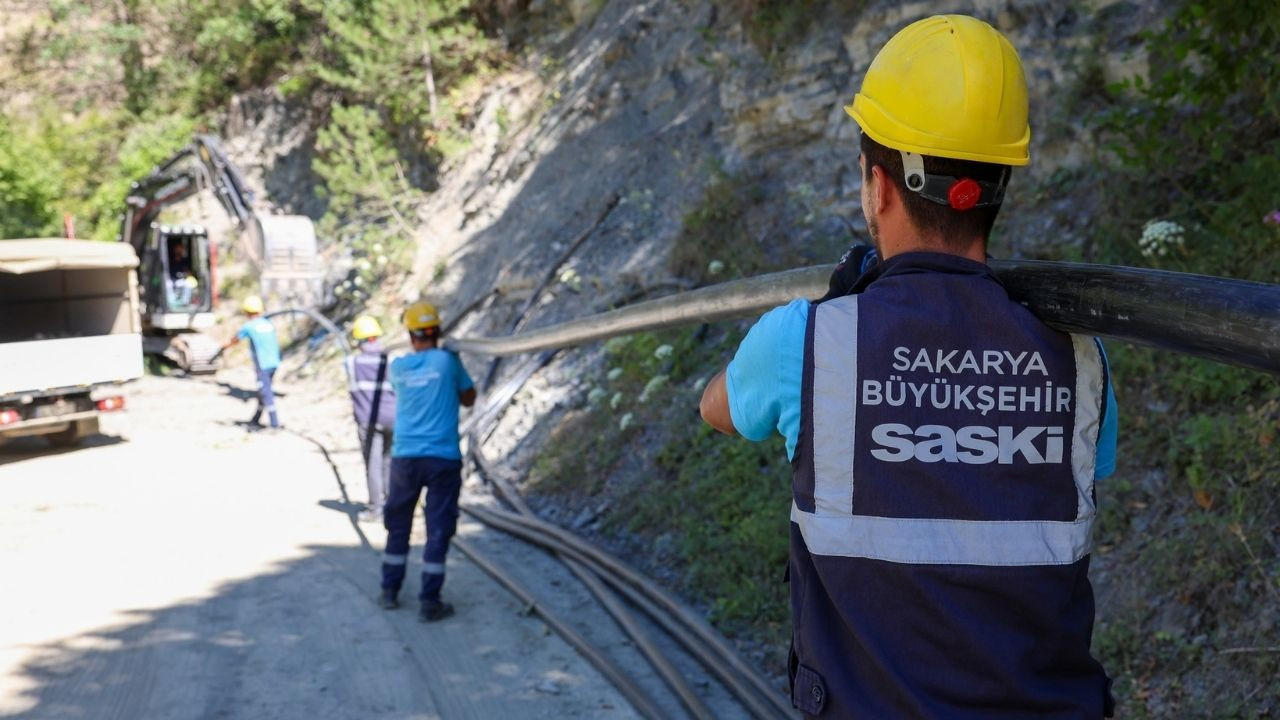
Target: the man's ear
pixel 883 192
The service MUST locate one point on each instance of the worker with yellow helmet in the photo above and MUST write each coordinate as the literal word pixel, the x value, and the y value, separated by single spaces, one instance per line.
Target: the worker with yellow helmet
pixel 944 441
pixel 373 402
pixel 430 384
pixel 265 351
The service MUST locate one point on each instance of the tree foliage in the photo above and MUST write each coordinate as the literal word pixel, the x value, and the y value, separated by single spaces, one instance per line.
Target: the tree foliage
pixel 108 87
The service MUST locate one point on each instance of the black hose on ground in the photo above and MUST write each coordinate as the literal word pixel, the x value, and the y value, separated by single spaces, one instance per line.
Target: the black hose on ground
pixel 591 581
pixel 629 689
pixel 701 640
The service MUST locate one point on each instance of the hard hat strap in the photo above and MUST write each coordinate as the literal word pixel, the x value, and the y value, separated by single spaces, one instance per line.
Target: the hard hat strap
pixel 959 193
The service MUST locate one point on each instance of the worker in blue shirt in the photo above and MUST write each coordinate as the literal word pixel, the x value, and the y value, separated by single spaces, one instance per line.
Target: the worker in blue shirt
pixel 944 442
pixel 430 384
pixel 265 350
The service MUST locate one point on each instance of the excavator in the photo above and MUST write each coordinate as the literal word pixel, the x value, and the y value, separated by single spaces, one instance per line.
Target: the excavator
pixel 178 261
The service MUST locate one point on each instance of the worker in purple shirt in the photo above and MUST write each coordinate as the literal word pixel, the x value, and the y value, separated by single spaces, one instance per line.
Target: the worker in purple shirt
pixel 373 401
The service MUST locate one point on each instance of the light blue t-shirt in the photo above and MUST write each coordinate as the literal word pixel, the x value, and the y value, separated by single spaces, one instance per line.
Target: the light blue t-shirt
pixel 765 376
pixel 262 337
pixel 427 384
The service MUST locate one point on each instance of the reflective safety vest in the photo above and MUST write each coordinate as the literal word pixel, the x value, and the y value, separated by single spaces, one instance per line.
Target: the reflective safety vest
pixel 943 503
pixel 362 378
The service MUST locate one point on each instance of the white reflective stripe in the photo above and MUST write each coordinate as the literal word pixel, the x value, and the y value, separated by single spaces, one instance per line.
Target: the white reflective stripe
pixel 369 385
pixel 389 559
pixel 1089 396
pixel 433 568
pixel 834 400
pixel 920 541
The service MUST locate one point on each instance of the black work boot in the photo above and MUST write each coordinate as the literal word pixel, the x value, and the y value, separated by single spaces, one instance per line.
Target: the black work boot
pixel 433 610
pixel 387 599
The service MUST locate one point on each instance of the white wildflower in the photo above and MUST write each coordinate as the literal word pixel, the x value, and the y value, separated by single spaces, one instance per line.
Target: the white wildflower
pixel 614 374
pixel 377 247
pixel 363 264
pixel 382 260
pixel 663 351
pixel 652 386
pixel 715 267
pixel 572 279
pixel 625 422
pixel 596 395
pixel 357 281
pixel 1159 236
pixel 700 383
pixel 615 401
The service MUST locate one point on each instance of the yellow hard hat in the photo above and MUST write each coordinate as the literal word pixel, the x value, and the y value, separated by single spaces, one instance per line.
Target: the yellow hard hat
pixel 420 316
pixel 948 86
pixel 365 327
pixel 252 305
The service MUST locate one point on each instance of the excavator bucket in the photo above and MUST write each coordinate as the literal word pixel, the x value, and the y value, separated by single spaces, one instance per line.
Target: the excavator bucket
pixel 291 274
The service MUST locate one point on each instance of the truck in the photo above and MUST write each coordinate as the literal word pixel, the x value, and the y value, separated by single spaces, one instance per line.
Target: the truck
pixel 70 335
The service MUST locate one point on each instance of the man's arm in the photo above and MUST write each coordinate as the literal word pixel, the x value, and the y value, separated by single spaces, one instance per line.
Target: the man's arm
pixel 715 405
pixel 467 397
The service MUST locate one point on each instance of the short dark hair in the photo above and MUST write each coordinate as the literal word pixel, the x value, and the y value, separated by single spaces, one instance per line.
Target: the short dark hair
pixel 954 226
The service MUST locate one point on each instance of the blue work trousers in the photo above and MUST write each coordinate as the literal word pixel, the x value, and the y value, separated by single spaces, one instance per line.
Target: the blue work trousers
pixel 266 398
pixel 442 479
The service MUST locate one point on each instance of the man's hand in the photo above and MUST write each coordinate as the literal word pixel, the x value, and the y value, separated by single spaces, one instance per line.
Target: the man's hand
pixel 858 258
pixel 715 406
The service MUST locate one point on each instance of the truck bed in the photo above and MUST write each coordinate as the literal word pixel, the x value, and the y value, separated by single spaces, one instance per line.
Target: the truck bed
pixel 41 365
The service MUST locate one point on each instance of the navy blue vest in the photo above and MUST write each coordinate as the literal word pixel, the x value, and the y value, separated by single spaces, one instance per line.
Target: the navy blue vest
pixel 362 379
pixel 943 503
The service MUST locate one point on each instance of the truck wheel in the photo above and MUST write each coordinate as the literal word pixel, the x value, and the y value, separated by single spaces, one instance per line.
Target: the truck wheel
pixel 79 430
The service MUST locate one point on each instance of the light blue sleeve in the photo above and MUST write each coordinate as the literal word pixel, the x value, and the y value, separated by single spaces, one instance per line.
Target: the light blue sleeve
pixel 764 378
pixel 465 382
pixel 243 332
pixel 394 373
pixel 1105 463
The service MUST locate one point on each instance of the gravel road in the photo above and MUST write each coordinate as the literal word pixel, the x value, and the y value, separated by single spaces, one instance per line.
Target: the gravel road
pixel 178 566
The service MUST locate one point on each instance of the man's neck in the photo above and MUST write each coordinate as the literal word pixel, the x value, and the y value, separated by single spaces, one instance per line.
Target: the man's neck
pixel 975 250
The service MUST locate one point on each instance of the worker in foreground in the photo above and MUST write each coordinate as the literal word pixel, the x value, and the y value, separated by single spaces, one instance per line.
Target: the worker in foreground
pixel 265 350
pixel 373 402
pixel 430 384
pixel 945 441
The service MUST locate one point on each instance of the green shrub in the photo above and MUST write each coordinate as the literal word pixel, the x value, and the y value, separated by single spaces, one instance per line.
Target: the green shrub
pixel 1196 148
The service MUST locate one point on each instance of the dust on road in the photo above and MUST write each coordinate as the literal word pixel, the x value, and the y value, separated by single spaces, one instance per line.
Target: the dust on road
pixel 180 567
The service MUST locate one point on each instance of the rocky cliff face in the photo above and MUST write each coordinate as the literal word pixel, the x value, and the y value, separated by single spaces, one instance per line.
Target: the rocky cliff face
pixel 652 101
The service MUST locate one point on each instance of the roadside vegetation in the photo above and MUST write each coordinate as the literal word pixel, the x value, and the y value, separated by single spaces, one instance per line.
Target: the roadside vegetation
pixel 1191 522
pixel 98 92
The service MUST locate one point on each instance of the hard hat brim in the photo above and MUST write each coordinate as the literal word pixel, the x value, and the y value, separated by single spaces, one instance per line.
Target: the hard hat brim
pixel 865 111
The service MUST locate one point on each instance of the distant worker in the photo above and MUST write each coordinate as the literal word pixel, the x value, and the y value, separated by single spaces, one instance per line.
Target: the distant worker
pixel 373 401
pixel 179 261
pixel 430 384
pixel 945 442
pixel 266 356
pixel 182 283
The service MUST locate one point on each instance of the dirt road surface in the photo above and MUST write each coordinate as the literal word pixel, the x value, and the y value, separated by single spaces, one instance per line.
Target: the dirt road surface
pixel 181 567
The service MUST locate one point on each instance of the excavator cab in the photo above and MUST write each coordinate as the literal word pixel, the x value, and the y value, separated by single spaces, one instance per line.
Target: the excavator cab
pixel 178 276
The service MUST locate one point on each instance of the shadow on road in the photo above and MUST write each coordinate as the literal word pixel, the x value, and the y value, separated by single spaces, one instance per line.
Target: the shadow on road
pixel 285 644
pixel 28 448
